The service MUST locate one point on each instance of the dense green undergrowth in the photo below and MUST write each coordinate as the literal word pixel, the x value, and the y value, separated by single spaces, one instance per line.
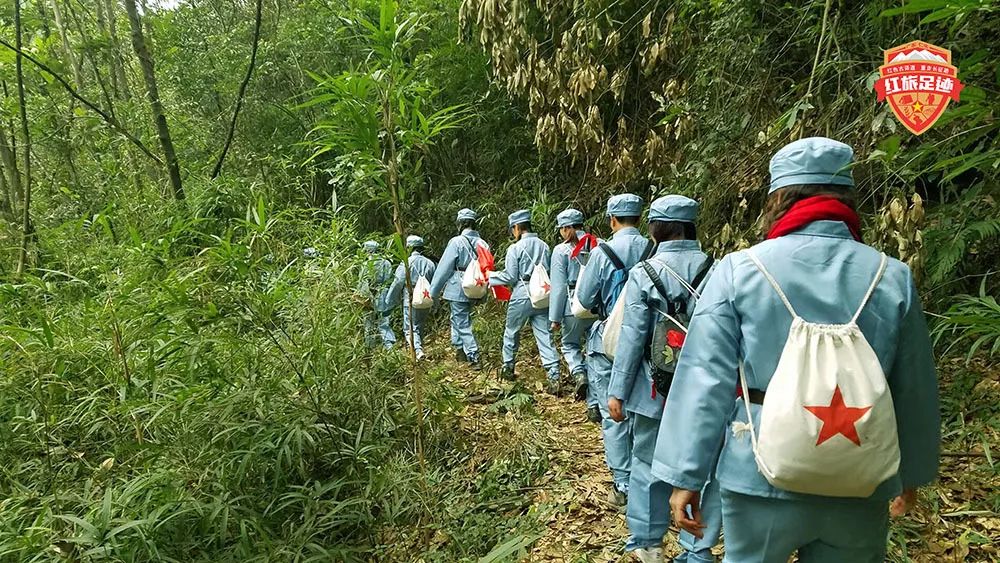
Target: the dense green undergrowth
pixel 201 392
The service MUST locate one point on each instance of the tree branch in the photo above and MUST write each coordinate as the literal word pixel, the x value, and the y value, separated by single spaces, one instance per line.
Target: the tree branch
pixel 111 121
pixel 242 92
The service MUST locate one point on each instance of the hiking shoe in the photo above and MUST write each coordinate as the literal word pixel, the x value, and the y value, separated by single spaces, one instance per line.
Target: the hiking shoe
pixel 553 388
pixel 649 555
pixel 580 386
pixel 617 498
pixel 420 355
pixel 594 414
pixel 460 356
pixel 474 362
pixel 507 373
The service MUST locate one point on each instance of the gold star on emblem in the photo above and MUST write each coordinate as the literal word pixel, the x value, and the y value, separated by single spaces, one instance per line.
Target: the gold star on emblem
pixel 918 107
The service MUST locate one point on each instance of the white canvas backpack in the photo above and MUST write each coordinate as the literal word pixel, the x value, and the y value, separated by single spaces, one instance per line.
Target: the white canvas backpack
pixel 575 307
pixel 474 282
pixel 827 424
pixel 613 328
pixel 539 287
pixel 421 298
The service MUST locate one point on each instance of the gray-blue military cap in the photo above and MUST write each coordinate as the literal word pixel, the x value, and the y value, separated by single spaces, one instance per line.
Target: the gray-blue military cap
pixel 815 160
pixel 625 205
pixel 518 217
pixel 467 215
pixel 568 218
pixel 413 241
pixel 674 208
pixel 370 245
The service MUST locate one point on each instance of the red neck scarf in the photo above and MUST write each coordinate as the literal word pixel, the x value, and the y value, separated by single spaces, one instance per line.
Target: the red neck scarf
pixel 587 241
pixel 816 208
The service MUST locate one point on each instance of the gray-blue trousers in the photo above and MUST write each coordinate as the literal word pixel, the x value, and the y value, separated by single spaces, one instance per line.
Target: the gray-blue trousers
pixel 461 328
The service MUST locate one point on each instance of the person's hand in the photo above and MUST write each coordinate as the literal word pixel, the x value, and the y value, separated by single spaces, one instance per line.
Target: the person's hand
pixel 903 503
pixel 681 501
pixel 555 327
pixel 615 406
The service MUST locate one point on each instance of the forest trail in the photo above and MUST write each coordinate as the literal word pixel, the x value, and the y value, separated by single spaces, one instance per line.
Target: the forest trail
pixel 571 499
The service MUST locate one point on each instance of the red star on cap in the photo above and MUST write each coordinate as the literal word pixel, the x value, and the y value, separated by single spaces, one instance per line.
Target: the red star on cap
pixel 838 418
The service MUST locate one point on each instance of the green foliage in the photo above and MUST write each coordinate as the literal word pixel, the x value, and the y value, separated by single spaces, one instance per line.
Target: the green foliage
pixel 181 383
pixel 971 324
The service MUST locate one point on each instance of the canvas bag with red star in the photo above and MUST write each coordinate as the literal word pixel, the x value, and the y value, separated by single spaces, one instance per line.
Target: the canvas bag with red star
pixel 827 423
pixel 539 287
pixel 422 294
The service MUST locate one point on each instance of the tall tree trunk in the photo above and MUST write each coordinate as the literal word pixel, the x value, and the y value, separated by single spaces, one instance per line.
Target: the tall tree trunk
pixel 64 38
pixel 8 156
pixel 108 50
pixel 242 92
pixel 118 66
pixel 88 56
pixel 162 131
pixel 6 209
pixel 43 18
pixel 26 228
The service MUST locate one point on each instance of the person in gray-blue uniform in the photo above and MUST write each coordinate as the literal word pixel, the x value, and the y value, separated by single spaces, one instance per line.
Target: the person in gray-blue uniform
pixel 632 389
pixel 562 275
pixel 420 265
pixel 598 290
pixel 821 265
pixel 447 281
pixel 378 324
pixel 522 256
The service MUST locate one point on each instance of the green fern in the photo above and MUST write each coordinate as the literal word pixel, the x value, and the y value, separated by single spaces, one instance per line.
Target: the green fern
pixel 973 320
pixel 960 230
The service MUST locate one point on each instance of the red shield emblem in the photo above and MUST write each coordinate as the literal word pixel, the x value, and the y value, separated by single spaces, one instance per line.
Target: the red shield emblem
pixel 919 80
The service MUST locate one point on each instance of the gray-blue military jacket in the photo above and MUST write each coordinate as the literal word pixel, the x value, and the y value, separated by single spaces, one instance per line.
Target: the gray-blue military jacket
pixel 595 283
pixel 630 376
pixel 377 276
pixel 457 255
pixel 825 274
pixel 420 265
pixel 519 262
pixel 563 276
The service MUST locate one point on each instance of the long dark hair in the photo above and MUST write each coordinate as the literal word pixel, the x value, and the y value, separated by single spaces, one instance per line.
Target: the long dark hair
pixel 781 201
pixel 672 230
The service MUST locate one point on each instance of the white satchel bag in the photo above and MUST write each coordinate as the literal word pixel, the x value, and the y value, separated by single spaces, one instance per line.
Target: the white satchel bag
pixel 421 298
pixel 474 283
pixel 539 287
pixel 827 424
pixel 578 310
pixel 613 327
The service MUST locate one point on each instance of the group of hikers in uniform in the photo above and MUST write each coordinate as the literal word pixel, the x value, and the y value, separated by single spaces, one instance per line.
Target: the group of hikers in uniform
pixel 785 393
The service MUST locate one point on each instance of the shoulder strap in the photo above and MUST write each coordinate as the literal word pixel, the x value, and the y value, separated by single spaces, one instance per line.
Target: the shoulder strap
pixel 655 278
pixel 680 279
pixel 615 260
pixel 774 284
pixel 472 249
pixel 700 276
pixel 650 248
pixel 662 290
pixel 878 277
